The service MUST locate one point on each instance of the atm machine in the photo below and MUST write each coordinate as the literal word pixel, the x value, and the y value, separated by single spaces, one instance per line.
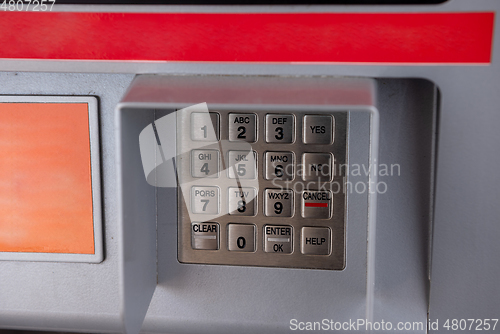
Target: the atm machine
pixel 249 167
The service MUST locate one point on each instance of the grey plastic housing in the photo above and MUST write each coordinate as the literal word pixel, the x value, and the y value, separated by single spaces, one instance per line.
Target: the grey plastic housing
pixel 155 96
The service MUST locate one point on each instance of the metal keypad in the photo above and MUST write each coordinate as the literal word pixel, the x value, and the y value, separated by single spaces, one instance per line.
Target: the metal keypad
pixel 279 194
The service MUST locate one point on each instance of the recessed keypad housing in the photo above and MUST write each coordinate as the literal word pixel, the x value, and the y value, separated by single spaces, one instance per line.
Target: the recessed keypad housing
pixel 262 188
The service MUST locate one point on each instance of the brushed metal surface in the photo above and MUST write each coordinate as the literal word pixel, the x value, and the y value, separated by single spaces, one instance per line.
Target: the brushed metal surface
pixel 316 204
pixel 317 165
pixel 295 259
pixel 241 201
pixel 205 200
pixel 241 237
pixel 205 236
pixel 318 129
pixel 278 203
pixel 279 166
pixel 315 240
pixel 205 127
pixel 280 128
pixel 278 239
pixel 243 127
pixel 205 163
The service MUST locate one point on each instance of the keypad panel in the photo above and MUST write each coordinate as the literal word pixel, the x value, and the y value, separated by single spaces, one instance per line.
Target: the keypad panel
pixel 269 191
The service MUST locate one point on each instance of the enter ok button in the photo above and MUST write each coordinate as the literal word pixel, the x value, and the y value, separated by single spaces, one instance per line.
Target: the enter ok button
pixel 316 240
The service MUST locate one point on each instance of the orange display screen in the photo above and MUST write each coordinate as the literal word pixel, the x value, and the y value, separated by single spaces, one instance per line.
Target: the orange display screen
pixel 45 178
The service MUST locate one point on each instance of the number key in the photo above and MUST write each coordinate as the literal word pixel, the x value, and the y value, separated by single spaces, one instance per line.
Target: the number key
pixel 279 166
pixel 242 164
pixel 318 129
pixel 278 203
pixel 205 163
pixel 242 201
pixel 241 237
pixel 243 127
pixel 279 128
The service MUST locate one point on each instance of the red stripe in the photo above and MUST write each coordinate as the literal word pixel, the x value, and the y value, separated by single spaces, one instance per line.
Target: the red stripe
pixel 316 205
pixel 322 37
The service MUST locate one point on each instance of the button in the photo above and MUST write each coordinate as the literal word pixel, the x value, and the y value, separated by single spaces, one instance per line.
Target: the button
pixel 241 237
pixel 279 165
pixel 243 127
pixel 242 164
pixel 317 167
pixel 315 241
pixel 278 203
pixel 279 128
pixel 205 236
pixel 205 200
pixel 278 239
pixel 242 201
pixel 316 204
pixel 205 126
pixel 205 163
pixel 318 129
